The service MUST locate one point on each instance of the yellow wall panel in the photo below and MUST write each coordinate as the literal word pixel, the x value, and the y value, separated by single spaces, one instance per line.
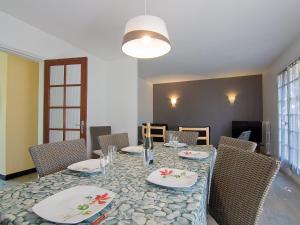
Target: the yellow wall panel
pixel 22 112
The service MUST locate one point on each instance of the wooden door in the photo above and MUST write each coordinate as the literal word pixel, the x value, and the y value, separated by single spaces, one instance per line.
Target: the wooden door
pixel 65 103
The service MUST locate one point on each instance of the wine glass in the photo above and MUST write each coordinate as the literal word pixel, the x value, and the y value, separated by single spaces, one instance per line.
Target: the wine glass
pixel 175 142
pixel 114 152
pixel 103 163
pixel 111 153
pixel 171 138
pixel 110 150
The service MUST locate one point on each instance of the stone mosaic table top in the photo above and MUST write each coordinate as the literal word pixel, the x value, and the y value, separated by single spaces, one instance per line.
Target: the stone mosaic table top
pixel 136 201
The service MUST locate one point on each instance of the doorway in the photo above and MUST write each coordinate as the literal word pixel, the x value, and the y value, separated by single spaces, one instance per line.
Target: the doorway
pixel 65 99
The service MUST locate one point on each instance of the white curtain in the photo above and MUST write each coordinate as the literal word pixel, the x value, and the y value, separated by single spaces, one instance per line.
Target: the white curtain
pixel 289 116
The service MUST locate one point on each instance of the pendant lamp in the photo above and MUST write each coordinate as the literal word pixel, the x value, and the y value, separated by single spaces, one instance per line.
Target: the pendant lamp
pixel 146 37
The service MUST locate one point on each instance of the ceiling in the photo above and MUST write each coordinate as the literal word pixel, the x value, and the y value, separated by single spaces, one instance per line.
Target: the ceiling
pixel 209 37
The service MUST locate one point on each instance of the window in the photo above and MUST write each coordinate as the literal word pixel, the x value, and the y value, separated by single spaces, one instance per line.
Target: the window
pixel 289 116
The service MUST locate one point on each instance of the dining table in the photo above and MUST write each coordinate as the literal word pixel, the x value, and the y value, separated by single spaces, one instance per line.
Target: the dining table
pixel 136 200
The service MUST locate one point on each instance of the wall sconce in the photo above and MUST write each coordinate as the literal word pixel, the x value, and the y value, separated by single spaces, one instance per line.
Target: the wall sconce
pixel 231 98
pixel 173 101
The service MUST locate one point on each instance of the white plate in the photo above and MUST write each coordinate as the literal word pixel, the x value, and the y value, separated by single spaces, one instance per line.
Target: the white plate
pixel 173 178
pixel 179 145
pixel 133 149
pixel 193 154
pixel 86 166
pixel 73 205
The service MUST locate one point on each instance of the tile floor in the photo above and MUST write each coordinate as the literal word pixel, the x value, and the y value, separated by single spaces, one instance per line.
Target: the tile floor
pixel 282 206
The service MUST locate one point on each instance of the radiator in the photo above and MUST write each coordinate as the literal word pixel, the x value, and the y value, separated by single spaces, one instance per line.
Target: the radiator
pixel 266 137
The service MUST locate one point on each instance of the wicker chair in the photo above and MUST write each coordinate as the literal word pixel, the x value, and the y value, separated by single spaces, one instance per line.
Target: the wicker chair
pixel 118 140
pixel 54 157
pixel 240 183
pixel 158 132
pixel 203 134
pixel 122 140
pixel 238 143
pixel 95 133
pixel 189 138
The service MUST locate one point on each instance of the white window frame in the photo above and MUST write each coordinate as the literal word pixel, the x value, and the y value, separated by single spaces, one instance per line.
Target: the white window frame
pixel 289 116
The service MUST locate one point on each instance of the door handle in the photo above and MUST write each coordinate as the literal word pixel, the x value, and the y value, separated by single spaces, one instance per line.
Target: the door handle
pixel 81 125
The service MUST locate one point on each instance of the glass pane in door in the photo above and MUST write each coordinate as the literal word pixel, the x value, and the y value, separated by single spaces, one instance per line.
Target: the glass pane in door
pixel 55 136
pixel 73 96
pixel 56 96
pixel 73 74
pixel 71 135
pixel 56 75
pixel 56 118
pixel 73 118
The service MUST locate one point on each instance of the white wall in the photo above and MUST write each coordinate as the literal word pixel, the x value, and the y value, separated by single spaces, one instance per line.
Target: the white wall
pixel 145 101
pixel 123 97
pixel 270 110
pixel 29 41
pixel 97 94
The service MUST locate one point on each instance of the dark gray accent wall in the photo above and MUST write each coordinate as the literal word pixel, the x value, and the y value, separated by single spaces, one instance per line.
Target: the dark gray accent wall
pixel 205 103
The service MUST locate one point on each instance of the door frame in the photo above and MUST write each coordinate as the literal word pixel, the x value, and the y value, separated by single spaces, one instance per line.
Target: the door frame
pixel 83 99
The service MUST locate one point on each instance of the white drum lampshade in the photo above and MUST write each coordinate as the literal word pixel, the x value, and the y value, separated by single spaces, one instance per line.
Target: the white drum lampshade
pixel 146 37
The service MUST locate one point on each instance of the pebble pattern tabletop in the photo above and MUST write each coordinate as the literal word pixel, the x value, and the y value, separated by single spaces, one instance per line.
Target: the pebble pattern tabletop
pixel 136 201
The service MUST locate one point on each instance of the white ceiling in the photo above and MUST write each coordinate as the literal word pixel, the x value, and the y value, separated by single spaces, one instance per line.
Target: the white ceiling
pixel 209 37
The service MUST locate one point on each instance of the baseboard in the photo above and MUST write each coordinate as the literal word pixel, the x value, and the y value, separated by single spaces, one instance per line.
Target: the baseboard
pixel 17 174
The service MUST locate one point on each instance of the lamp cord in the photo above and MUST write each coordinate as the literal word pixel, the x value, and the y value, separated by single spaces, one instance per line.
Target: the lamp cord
pixel 145 5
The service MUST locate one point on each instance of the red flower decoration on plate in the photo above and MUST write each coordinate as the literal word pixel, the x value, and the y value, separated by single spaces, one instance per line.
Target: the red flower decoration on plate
pixel 100 199
pixel 187 152
pixel 166 172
